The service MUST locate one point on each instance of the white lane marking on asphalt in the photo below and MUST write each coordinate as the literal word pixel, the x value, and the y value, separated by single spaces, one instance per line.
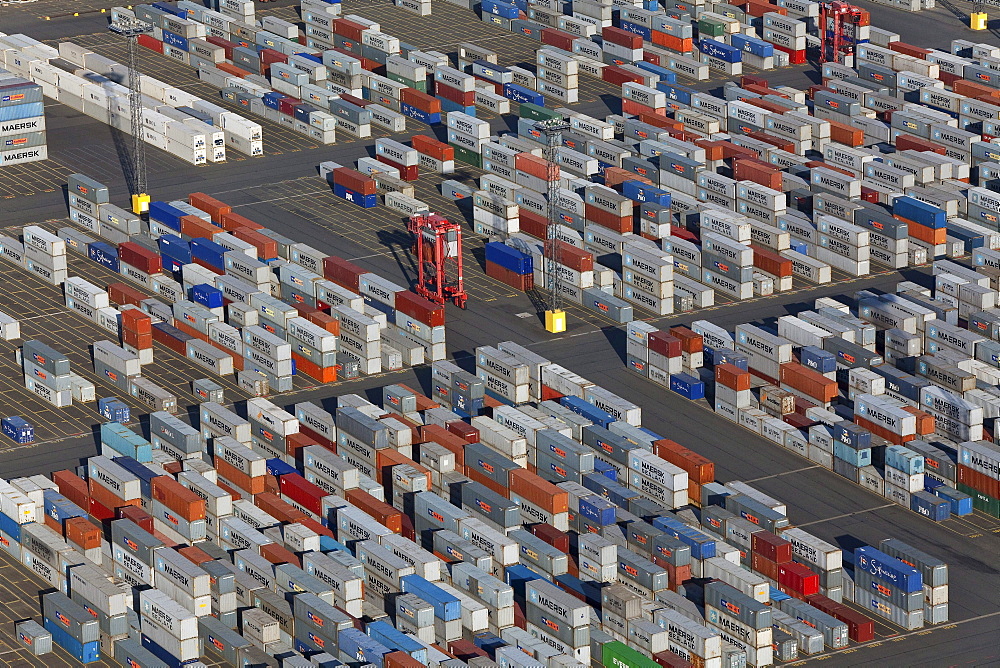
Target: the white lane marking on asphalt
pixel 776 475
pixel 856 512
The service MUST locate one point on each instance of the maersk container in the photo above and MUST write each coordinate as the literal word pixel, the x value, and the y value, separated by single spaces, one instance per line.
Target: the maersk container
pixel 687 385
pixel 103 254
pixel 931 506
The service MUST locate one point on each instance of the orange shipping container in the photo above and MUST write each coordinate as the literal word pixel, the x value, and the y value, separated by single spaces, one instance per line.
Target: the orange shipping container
pixel 768 260
pixel 279 554
pixel 846 134
pixel 194 554
pixel 80 531
pixel 678 44
pixel 209 205
pixel 278 508
pixel 193 226
pixel 535 166
pixel 234 221
pixel 808 381
pixel 178 498
pixel 923 233
pixel 400 660
pixel 691 342
pixel 733 377
pixel 72 486
pixel 380 511
pixel 925 421
pixel 105 497
pixel 239 479
pixel 538 491
pixel 446 439
pixel 699 469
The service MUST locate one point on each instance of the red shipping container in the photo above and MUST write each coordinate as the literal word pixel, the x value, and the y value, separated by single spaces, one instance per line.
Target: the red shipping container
pixel 140 341
pixel 575 258
pixel 830 166
pixel 614 176
pixel 269 57
pixel 909 50
pixel 522 282
pixel 774 548
pixel 665 344
pixel 773 107
pixel 869 195
pixel 558 38
pixel 798 578
pixel 195 555
pixel 621 37
pixel 354 180
pixel 226 44
pixel 400 659
pixel 778 142
pixel 770 261
pixel 324 320
pixel 140 517
pixel 178 498
pixel 193 226
pixel 539 492
pixel 446 439
pixel 667 659
pixel 620 224
pixel 150 42
pixel 210 205
pixel 617 76
pixel 122 294
pixel 760 8
pixel 342 272
pixel 302 492
pixel 72 486
pixel 660 121
pixel 233 70
pixel 794 57
pixel 766 567
pixel 699 469
pixel 798 420
pixel 423 403
pixel 406 172
pixel 380 511
pixel 925 421
pixel 278 508
pixel 808 381
pixel 313 525
pixel 551 535
pixel 859 627
pixel 321 374
pixel 349 29
pixel 755 170
pixel 267 248
pixel 432 147
pixel 464 98
pixel 107 498
pixel 534 166
pixel 279 554
pixel 465 650
pixel 973 89
pixel 905 142
pixel 137 321
pixel 418 307
pixel 234 221
pixel 420 100
pixel 140 257
pixel 463 430
pixel 633 107
pixel 731 376
pixel 99 512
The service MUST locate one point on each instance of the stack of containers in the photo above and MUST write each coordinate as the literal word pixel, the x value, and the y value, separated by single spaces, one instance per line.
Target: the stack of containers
pixel 933 573
pixel 888 587
pixel 510 266
pixel 22 135
pixel 45 255
pixel 72 627
pixel 47 373
pixel 269 355
pixel 977 475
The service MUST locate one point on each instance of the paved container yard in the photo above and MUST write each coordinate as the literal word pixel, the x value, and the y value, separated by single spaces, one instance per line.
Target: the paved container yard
pixel 283 192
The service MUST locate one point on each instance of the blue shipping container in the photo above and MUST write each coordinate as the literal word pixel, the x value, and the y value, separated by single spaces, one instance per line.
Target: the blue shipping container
pixel 206 295
pixel 505 10
pixel 113 409
pixel 676 92
pixel 509 258
pixel 687 386
pixel 137 469
pixel 163 213
pixel 17 429
pixel 925 214
pixel 420 114
pixel 930 506
pixel 59 508
pixel 160 653
pixel 587 410
pixel 635 28
pixel 448 106
pixel 640 192
pixel 887 568
pixel 904 459
pixel 103 254
pixel 447 608
pixel 83 652
pixel 171 9
pixel 175 40
pixel 605 469
pixel 663 73
pixel 853 436
pixel 853 457
pixel 209 252
pixel 521 94
pixel 364 201
pixel 961 503
pixel 757 47
pixel 799 246
pixel 598 509
pixel 386 634
pixel 723 52
pixel 818 359
pixel 175 247
pixel 10 527
pixel 278 467
pixel 702 546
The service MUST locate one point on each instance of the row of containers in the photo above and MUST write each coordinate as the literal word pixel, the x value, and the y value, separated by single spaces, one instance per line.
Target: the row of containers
pixel 245 300
pixel 899 396
pixel 22 121
pixel 532 535
pixel 173 120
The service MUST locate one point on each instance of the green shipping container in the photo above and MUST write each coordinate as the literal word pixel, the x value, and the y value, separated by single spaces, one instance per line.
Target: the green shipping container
pixel 536 113
pixel 412 83
pixel 711 28
pixel 463 154
pixel 980 501
pixel 619 655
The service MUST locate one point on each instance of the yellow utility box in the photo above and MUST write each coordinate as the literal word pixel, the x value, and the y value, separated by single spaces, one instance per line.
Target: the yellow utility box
pixel 555 321
pixel 978 20
pixel 140 203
